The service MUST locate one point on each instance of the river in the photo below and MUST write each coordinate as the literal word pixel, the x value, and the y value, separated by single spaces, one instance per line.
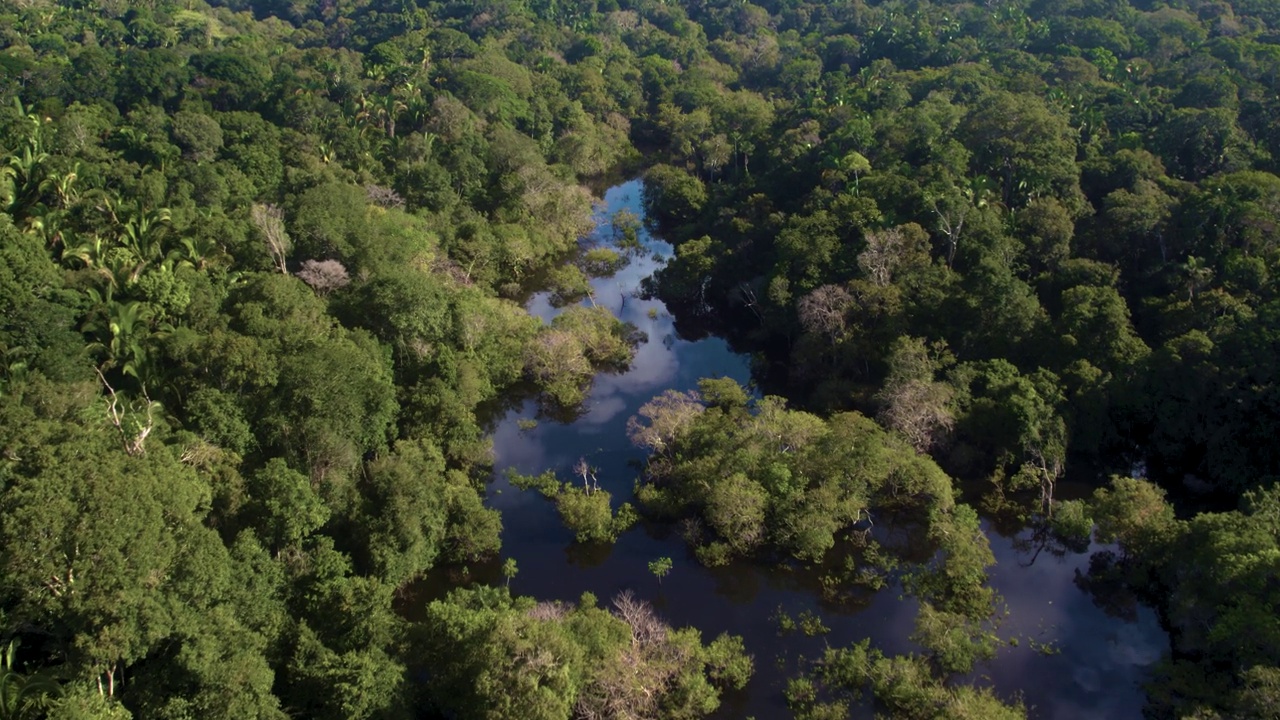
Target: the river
pixel 1072 659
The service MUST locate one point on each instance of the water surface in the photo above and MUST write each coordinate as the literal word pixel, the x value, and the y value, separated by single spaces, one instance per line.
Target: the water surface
pixel 1072 659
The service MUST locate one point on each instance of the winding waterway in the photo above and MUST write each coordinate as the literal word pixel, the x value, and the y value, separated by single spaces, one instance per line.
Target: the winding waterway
pixel 1072 658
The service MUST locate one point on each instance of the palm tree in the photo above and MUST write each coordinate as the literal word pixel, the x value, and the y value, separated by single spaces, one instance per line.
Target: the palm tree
pixel 26 173
pixel 386 109
pixel 23 697
pixel 142 233
pixel 88 252
pixel 327 154
pixel 63 185
pixel 122 333
pixel 360 110
pixel 416 111
pixel 200 253
pixel 1196 275
pixel 47 226
pixel 12 367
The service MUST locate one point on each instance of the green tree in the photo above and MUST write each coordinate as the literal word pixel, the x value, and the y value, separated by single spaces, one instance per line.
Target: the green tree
pixel 404 513
pixel 361 683
pixel 1132 512
pixel 1200 142
pixel 660 567
pixel 1032 150
pixel 502 657
pixel 285 507
pixel 113 544
pixel 199 135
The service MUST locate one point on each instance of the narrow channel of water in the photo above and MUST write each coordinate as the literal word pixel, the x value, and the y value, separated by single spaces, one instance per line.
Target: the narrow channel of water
pixel 1072 659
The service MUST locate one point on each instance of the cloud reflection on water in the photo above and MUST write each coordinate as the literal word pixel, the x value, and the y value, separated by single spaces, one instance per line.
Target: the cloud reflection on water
pixel 1097 661
pixel 1095 675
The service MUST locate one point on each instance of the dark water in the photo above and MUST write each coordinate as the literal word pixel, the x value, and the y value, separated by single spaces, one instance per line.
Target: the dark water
pixel 1094 660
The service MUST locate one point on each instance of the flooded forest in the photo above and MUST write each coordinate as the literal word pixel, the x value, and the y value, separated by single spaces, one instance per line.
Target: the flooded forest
pixel 639 359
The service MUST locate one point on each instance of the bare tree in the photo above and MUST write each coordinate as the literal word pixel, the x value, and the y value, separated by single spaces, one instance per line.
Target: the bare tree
pixel 877 261
pixel 823 310
pixel 920 410
pixel 135 440
pixel 747 296
pixel 383 196
pixel 951 217
pixel 1045 467
pixel 324 276
pixel 647 629
pixel 590 483
pixel 668 415
pixel 548 610
pixel 631 685
pixel 891 249
pixel 912 402
pixel 557 354
pixel 269 220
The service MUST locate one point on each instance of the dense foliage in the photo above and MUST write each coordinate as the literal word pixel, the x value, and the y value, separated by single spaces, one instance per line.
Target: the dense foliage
pixel 258 284
pixel 760 476
pixel 262 266
pixel 1028 238
pixel 494 657
pixel 754 477
pixel 1070 203
pixel 1213 576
